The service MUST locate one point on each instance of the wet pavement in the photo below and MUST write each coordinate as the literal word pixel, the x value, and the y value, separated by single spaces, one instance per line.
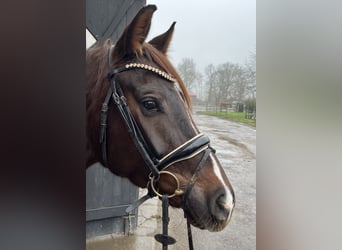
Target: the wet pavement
pixel 235 146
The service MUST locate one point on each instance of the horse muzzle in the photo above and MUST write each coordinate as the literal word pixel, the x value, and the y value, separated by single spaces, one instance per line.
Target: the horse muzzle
pixel 212 211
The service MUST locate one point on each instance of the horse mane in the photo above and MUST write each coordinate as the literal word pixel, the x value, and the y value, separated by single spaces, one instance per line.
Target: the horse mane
pixel 97 68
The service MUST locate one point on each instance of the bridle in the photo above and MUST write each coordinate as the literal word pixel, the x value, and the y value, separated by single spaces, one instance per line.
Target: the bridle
pixel 157 166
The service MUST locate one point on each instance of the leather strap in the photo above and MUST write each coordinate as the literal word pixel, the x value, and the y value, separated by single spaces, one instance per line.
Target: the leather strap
pixel 195 176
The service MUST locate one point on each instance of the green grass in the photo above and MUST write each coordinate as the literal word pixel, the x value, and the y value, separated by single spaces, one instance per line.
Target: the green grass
pixel 233 116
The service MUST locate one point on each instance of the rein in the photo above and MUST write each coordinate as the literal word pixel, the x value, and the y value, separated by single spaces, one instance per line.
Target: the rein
pixel 196 145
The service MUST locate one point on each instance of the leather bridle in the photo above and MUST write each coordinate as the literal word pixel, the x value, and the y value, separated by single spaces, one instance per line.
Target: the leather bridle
pixel 157 166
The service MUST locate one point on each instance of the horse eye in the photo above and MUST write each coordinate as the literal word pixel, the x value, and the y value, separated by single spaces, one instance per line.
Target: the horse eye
pixel 151 105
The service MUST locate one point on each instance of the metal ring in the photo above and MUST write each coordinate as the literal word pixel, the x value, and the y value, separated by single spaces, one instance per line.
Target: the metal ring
pixel 178 191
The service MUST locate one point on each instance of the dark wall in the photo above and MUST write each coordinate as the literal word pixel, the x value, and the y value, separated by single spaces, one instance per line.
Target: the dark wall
pixel 108 18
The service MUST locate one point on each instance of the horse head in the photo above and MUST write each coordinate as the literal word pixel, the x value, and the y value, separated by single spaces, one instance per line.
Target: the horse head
pixel 151 138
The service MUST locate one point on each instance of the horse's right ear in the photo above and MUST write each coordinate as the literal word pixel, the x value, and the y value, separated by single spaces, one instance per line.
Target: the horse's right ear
pixel 162 41
pixel 132 39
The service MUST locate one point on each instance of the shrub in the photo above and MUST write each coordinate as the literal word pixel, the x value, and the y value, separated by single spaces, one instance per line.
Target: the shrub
pixel 250 105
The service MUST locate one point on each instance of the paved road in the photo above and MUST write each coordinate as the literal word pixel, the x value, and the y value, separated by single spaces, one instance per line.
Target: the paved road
pixel 236 148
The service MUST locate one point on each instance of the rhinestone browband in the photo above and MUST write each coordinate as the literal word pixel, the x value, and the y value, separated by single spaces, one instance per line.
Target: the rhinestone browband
pixel 152 69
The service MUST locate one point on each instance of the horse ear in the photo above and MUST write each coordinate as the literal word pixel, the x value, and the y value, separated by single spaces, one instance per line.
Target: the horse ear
pixel 134 36
pixel 162 41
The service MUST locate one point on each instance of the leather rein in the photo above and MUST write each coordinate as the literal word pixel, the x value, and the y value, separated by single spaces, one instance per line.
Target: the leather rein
pixel 196 145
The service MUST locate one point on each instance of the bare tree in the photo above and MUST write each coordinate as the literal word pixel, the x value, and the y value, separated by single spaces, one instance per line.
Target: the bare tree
pixel 226 82
pixel 188 72
pixel 251 76
pixel 227 76
pixel 210 82
pixel 239 84
pixel 199 86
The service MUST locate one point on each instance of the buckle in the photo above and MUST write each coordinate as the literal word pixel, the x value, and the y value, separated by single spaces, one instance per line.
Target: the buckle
pixel 104 107
pixel 116 98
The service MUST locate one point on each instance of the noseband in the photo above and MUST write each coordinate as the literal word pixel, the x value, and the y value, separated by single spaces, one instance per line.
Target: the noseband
pixel 157 166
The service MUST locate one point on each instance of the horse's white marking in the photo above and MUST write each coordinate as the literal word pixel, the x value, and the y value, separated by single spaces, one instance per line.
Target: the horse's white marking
pixel 229 197
pixel 229 203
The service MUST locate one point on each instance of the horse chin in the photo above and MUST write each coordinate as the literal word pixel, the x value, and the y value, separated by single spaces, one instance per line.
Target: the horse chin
pixel 209 223
pixel 204 222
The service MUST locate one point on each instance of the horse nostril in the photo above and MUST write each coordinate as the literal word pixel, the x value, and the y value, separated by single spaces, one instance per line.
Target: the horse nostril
pixel 220 207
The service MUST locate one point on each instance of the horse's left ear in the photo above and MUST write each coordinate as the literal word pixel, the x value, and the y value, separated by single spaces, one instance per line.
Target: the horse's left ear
pixel 132 39
pixel 162 41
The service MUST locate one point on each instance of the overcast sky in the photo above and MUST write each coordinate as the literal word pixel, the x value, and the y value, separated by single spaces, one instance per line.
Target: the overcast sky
pixel 214 31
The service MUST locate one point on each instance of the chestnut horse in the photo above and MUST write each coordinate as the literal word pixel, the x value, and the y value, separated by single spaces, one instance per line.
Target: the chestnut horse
pixel 139 125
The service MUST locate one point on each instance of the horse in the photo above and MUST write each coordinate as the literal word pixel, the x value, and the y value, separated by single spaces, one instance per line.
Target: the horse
pixel 140 126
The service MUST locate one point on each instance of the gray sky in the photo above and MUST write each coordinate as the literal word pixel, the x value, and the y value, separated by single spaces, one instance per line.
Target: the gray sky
pixel 215 31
